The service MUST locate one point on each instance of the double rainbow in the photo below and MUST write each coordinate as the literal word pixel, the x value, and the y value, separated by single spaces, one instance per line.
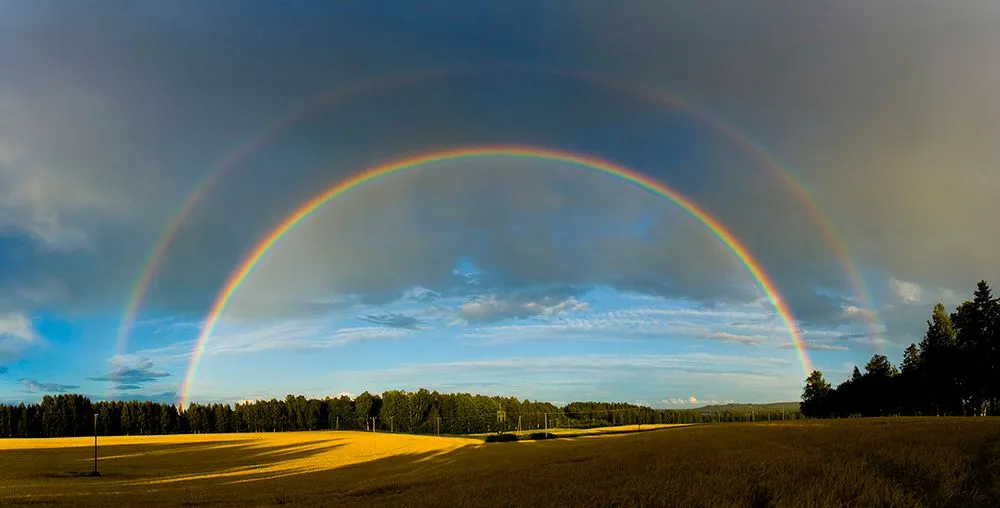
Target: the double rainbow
pixel 343 94
pixel 237 278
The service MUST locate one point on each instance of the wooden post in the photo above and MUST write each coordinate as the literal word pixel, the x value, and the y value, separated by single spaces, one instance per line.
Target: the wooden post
pixel 338 423
pixel 546 423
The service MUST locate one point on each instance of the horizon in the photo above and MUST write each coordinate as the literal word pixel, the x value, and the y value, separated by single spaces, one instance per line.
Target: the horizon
pixel 485 200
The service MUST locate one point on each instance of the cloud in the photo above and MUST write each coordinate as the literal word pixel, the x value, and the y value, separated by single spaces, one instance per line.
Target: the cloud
pixel 34 386
pixel 393 320
pixel 17 335
pixel 127 387
pixel 677 401
pixel 419 294
pixel 168 397
pixel 74 211
pixel 572 377
pixel 135 375
pixel 3 369
pixel 749 340
pixel 906 292
pixel 816 346
pixel 494 307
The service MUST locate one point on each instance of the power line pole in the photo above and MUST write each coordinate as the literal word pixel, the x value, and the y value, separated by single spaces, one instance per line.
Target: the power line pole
pixel 95 473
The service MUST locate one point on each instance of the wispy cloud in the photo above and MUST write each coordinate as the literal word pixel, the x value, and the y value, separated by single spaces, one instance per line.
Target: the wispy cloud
pixel 135 375
pixel 34 386
pixel 816 346
pixel 294 335
pixel 421 294
pixel 494 307
pixel 641 324
pixel 394 320
pixel 691 362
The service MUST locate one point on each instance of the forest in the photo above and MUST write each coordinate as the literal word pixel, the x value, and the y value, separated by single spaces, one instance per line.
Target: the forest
pixel 418 412
pixel 954 370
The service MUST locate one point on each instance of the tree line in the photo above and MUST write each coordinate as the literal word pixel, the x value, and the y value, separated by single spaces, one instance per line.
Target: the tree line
pixel 954 370
pixel 418 412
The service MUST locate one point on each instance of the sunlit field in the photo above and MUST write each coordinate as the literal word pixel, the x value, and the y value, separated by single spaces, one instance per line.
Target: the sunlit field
pixel 878 462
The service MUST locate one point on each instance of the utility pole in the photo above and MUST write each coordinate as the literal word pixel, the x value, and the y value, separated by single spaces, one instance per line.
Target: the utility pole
pixel 95 473
pixel 546 423
pixel 338 423
pixel 518 424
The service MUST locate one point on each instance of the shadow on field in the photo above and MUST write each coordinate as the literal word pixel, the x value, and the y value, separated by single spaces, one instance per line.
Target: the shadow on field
pixel 915 462
pixel 159 463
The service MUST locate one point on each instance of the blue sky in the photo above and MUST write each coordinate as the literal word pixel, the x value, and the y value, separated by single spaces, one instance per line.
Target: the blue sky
pixel 525 277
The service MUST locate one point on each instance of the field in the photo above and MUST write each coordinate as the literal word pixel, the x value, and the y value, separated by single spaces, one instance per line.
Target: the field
pixel 877 462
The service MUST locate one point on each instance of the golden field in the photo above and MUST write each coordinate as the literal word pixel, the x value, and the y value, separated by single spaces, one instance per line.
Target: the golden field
pixel 876 462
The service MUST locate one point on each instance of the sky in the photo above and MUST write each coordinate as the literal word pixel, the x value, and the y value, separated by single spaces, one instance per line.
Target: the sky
pixel 531 277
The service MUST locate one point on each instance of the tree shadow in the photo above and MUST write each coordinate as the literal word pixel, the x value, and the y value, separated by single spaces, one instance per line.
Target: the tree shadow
pixel 739 465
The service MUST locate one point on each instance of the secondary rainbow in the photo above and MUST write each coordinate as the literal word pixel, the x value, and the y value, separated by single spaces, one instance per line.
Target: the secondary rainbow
pixel 341 95
pixel 237 277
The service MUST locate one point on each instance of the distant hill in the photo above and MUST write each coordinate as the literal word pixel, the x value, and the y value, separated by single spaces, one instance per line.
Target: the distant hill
pixel 743 408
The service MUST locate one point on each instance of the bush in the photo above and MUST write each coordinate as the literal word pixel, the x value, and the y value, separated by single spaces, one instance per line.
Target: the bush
pixel 500 438
pixel 542 435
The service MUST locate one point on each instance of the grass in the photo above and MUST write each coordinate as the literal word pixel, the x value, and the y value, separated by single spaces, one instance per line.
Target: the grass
pixel 877 462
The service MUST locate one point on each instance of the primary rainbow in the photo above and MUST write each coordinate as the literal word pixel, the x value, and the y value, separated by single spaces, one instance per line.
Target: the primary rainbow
pixel 246 267
pixel 342 94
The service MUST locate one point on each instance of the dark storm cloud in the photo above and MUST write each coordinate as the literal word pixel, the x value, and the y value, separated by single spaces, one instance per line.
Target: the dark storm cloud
pixel 111 118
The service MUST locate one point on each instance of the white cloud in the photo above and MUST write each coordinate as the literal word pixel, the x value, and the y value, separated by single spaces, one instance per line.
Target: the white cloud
pixel 493 307
pixel 855 312
pixel 717 324
pixel 296 335
pixel 750 340
pixel 17 334
pixel 817 346
pixel 302 334
pixel 906 291
pixel 692 363
pixel 680 401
